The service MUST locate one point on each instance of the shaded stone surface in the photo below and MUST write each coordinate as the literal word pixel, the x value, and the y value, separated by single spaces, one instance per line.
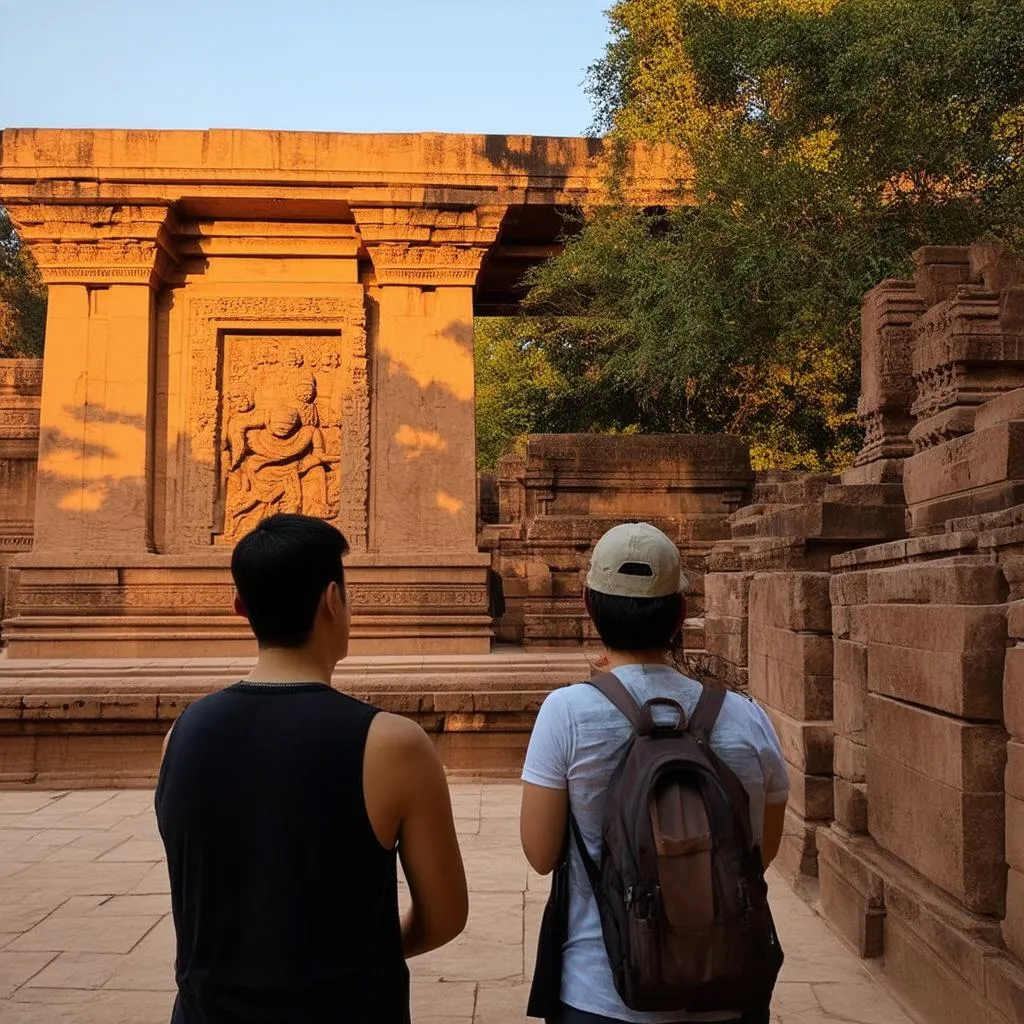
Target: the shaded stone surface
pixel 89 940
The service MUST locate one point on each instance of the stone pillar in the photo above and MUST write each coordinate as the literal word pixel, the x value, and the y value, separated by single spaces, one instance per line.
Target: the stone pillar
pixel 423 486
pixel 94 444
pixel 887 386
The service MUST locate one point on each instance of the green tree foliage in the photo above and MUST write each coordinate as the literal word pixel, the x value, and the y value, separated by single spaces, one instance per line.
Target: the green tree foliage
pixel 520 391
pixel 22 297
pixel 827 140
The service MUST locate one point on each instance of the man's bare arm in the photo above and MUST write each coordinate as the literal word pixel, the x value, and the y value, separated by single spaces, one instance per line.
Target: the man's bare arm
pixel 427 844
pixel 543 818
pixel 774 820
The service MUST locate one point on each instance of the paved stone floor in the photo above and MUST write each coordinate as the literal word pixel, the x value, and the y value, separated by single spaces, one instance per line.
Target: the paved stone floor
pixel 85 934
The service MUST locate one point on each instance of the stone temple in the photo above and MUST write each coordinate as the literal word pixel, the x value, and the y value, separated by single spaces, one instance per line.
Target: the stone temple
pixel 248 322
pixel 241 322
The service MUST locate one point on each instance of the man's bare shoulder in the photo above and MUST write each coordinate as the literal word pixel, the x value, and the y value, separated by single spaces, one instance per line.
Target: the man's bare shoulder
pixel 396 735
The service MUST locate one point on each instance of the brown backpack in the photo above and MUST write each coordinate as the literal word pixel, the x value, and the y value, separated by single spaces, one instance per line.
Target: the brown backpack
pixel 680 885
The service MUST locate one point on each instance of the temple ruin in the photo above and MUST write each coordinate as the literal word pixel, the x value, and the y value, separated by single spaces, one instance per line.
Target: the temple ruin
pixel 241 322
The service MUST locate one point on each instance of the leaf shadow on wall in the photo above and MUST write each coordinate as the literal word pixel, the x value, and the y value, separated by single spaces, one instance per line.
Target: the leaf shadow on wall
pixel 423 442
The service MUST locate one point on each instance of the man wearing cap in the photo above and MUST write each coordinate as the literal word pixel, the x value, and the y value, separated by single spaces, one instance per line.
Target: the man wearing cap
pixel 635 596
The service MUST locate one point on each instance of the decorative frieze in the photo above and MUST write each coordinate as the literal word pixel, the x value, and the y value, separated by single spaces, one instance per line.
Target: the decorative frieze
pixel 396 264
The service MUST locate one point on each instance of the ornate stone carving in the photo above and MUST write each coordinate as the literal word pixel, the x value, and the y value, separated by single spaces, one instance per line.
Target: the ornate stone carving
pixel 21 376
pixel 100 262
pixel 228 399
pixel 280 429
pixel 426 264
pixel 375 598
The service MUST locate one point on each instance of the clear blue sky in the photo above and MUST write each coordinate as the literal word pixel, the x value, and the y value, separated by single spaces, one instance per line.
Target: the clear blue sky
pixel 496 66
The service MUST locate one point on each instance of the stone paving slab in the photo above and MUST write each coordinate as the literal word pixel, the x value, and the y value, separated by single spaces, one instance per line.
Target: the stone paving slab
pixel 86 935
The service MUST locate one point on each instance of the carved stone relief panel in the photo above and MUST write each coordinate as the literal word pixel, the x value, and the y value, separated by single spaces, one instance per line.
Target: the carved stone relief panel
pixel 278 413
pixel 279 429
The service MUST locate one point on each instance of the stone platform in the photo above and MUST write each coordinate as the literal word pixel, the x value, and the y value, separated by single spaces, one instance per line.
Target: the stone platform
pixel 86 934
pixel 100 722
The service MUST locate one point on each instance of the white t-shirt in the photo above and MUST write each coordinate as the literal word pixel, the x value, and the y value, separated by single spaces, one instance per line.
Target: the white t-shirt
pixel 578 740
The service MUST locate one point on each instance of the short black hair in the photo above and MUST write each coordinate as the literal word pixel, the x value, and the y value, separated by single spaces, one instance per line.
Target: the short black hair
pixel 635 623
pixel 281 570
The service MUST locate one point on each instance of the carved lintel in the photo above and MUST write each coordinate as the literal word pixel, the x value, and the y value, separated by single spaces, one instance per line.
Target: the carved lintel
pixel 400 264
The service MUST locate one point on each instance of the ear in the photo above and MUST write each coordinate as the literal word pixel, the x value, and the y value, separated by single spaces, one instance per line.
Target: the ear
pixel 334 599
pixel 239 607
pixel 682 610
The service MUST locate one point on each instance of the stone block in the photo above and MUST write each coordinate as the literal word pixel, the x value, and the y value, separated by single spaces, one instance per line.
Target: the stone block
pixel 964 684
pixel 808 653
pixel 941 995
pixel 1002 409
pixel 935 627
pixel 907 811
pixel 798 855
pixel 841 621
pixel 725 593
pixel 934 516
pixel 794 601
pixel 1013 691
pixel 786 689
pixel 1014 776
pixel 881 471
pixel 834 521
pixel 957 938
pixel 850 687
pixel 726 637
pixel 956 584
pixel 1004 986
pixel 849 588
pixel 991 456
pixel 851 893
pixel 850 759
pixel 1015 832
pixel 865 493
pixel 967 756
pixel 810 796
pixel 851 805
pixel 1013 922
pixel 1015 619
pixel 805 745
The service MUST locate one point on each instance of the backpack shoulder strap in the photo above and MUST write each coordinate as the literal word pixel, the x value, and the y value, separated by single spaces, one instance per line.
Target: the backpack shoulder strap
pixel 706 713
pixel 702 721
pixel 615 692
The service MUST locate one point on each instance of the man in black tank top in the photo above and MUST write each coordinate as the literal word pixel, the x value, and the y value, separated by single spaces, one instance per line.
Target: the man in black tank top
pixel 283 806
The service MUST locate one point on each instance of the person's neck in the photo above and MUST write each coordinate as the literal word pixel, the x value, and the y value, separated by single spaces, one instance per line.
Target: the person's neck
pixel 285 665
pixel 619 659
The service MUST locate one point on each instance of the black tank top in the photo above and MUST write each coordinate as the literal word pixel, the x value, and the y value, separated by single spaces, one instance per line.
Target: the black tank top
pixel 285 904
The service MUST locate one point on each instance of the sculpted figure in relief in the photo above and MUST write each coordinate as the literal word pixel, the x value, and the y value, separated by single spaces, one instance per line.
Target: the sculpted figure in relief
pixel 276 459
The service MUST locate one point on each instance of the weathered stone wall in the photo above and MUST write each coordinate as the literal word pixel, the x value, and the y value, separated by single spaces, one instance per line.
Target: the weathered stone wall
pixel 882 621
pixel 20 387
pixel 558 499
